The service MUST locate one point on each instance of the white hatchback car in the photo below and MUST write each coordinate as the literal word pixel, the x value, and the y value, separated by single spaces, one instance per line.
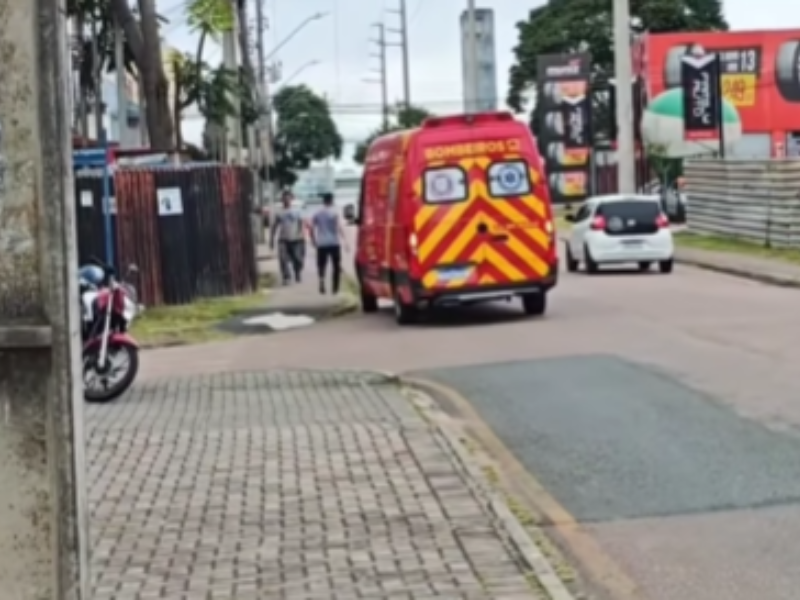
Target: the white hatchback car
pixel 617 229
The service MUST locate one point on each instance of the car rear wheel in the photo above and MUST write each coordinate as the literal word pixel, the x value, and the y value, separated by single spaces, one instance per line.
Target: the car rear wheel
pixel 665 266
pixel 591 266
pixel 644 266
pixel 534 304
pixel 404 314
pixel 572 262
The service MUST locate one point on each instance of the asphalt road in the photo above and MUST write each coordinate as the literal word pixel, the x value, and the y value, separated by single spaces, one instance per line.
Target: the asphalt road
pixel 661 411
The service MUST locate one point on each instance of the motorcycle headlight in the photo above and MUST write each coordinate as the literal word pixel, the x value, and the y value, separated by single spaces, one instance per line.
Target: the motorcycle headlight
pixel 129 312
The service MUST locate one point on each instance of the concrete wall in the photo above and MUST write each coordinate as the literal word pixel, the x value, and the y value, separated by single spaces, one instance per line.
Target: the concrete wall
pixel 754 199
pixel 43 529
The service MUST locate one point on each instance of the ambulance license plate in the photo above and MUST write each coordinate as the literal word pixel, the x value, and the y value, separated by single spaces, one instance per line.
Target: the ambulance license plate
pixel 447 275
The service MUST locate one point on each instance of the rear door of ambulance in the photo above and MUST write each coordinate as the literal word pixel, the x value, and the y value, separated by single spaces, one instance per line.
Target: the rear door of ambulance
pixel 484 219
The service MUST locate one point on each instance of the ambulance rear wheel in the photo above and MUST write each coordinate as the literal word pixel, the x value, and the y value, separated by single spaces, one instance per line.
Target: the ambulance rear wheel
pixel 369 302
pixel 404 314
pixel 535 305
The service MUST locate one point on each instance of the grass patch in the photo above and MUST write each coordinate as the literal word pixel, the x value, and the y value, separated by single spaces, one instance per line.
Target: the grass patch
pixel 730 245
pixel 192 323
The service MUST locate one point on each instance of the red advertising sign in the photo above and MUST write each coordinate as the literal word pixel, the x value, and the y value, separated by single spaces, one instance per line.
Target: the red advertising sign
pixel 760 71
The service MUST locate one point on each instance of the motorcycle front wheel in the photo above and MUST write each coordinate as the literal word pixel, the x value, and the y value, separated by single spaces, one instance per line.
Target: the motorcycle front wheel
pixel 105 385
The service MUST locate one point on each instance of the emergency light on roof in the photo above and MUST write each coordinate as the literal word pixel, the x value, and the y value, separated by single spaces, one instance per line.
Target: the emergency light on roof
pixel 467 119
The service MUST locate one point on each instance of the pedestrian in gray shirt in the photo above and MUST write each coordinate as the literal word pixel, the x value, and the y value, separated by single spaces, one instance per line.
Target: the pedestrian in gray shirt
pixel 289 228
pixel 327 235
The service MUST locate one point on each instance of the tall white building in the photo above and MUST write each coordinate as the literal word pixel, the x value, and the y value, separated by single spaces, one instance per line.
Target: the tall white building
pixel 487 59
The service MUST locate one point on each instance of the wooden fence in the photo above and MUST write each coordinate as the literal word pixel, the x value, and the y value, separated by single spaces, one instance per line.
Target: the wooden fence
pixel 187 228
pixel 758 200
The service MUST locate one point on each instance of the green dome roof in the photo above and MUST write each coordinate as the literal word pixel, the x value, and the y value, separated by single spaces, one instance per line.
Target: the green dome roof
pixel 670 104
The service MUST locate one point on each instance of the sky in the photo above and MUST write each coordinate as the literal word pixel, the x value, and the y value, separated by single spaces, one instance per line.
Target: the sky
pixel 339 43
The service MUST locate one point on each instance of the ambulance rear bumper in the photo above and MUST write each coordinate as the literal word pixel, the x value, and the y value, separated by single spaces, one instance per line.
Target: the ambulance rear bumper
pixel 484 293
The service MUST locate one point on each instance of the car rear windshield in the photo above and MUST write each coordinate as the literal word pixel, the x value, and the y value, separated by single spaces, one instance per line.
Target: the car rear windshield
pixel 641 210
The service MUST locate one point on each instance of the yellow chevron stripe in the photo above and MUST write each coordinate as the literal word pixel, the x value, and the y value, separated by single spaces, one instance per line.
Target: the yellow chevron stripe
pixel 424 215
pixel 502 265
pixel 512 215
pixel 528 257
pixel 536 204
pixel 482 162
pixel 467 234
pixel 525 253
pixel 429 244
pixel 486 279
pixel 418 188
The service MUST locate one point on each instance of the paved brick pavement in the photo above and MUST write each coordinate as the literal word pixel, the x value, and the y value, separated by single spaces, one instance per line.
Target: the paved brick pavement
pixel 284 485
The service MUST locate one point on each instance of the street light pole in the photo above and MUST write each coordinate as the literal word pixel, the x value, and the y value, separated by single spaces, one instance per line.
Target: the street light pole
pixel 294 32
pixel 623 72
pixel 472 58
pixel 297 72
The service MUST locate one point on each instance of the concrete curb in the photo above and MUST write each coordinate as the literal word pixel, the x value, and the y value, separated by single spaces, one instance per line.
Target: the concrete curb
pixel 766 278
pixel 516 535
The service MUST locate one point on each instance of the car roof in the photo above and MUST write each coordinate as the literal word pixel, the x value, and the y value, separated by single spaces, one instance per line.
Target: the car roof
pixel 607 198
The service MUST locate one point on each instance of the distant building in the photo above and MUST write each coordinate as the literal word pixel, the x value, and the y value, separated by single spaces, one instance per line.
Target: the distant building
pixel 487 59
pixel 118 127
pixel 314 181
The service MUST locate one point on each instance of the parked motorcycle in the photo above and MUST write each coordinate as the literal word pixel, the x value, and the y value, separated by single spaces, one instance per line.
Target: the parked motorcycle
pixel 110 354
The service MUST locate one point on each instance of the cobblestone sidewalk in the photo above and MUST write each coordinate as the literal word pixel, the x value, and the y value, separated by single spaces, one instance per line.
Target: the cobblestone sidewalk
pixel 285 485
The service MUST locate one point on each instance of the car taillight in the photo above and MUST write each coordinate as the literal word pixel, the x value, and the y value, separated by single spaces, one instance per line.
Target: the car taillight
pixel 662 221
pixel 598 224
pixel 412 243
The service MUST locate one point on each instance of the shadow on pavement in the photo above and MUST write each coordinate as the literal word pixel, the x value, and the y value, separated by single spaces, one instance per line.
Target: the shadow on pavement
pixel 618 271
pixel 468 316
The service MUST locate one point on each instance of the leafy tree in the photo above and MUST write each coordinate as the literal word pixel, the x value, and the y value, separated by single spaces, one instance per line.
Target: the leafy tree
pixel 406 118
pixel 140 27
pixel 568 26
pixel 218 92
pixel 667 169
pixel 304 132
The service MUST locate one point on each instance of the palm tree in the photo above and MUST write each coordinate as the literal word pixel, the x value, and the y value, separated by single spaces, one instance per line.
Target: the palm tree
pixel 217 92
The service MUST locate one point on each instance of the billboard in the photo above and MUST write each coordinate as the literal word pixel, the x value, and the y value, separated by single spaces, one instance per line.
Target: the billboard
pixel 564 96
pixel 760 72
pixel 700 79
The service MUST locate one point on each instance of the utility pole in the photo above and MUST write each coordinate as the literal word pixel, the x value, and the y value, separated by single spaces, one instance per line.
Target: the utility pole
pixel 43 511
pixel 122 89
pixel 623 71
pixel 382 72
pixel 97 79
pixel 471 44
pixel 402 12
pixel 230 58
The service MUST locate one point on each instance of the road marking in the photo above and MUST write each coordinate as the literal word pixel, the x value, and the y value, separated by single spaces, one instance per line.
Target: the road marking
pixel 593 560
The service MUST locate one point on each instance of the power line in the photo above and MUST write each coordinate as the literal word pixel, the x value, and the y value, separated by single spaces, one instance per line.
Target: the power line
pixel 377 109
